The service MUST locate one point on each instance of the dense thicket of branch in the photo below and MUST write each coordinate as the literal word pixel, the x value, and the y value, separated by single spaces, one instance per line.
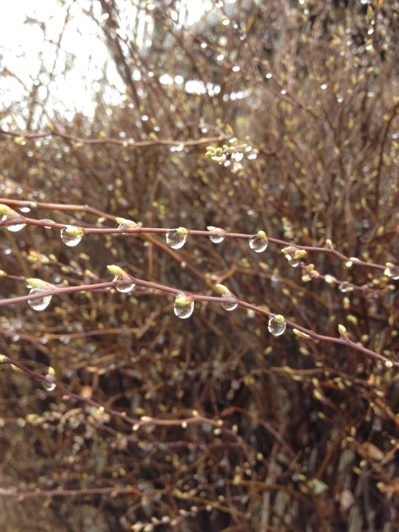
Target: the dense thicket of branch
pixel 209 422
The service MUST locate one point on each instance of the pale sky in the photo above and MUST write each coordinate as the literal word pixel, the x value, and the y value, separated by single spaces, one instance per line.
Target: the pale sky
pixel 27 56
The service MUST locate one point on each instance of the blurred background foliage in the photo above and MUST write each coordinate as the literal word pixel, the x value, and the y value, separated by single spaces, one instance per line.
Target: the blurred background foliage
pixel 311 89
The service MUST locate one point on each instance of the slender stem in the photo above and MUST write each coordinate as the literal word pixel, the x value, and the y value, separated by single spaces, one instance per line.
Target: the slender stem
pixel 159 230
pixel 198 297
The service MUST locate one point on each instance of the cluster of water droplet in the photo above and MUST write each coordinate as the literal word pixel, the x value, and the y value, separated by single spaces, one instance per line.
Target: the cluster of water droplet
pixel 259 242
pixel 233 153
pixel 176 238
pixel 216 154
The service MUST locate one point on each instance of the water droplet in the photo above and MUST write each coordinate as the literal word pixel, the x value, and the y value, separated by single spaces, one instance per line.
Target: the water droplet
pixel 37 287
pixel 344 287
pixel 39 303
pixel 124 288
pixel 226 293
pixel 13 228
pixel 71 235
pixel 179 147
pixel 294 255
pixel 276 325
pixel 229 305
pixel 121 275
pixel 126 224
pixel 292 261
pixel 49 383
pixel 237 156
pixel 216 239
pixel 177 237
pixel 184 306
pixel 392 272
pixel 259 242
pixel 47 220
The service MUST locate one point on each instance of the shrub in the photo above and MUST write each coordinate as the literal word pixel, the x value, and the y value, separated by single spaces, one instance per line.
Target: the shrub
pixel 265 124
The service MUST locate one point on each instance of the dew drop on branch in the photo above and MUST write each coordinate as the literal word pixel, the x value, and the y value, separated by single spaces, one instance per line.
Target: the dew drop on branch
pixel 277 325
pixel 291 261
pixel 126 224
pixel 229 305
pixel 44 220
pixel 13 228
pixel 41 303
pixel 177 237
pixel 49 384
pixel 184 306
pixel 38 287
pixel 226 293
pixel 294 255
pixel 125 288
pixel 237 156
pixel 71 235
pixel 216 239
pixel 392 272
pixel 259 242
pixel 121 275
pixel 344 287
